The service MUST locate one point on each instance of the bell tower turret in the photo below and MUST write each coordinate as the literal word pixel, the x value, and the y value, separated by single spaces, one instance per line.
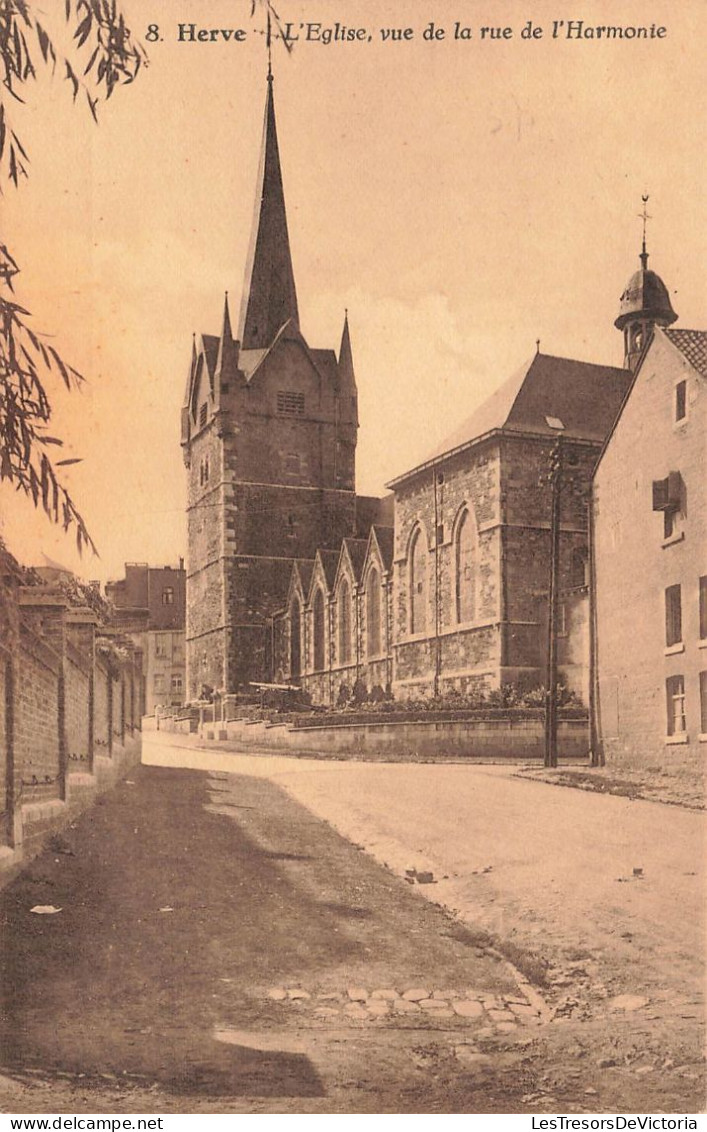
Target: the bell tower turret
pixel 645 304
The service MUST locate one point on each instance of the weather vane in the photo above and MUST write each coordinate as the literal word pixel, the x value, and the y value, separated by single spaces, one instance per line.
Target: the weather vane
pixel 268 33
pixel 645 217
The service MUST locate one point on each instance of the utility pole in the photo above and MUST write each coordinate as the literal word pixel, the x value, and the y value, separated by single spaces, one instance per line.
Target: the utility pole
pixel 551 677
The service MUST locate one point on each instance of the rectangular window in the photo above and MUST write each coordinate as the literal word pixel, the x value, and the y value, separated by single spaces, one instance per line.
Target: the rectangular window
pixel 675 692
pixel 168 595
pixel 703 607
pixel 681 401
pixel 289 403
pixel 703 703
pixel 161 646
pixel 176 683
pixel 673 616
pixel 159 682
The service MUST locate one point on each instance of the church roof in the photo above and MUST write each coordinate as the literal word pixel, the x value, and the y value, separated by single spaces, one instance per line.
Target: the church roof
pixel 692 344
pixel 385 537
pixel 645 296
pixel 584 399
pixel 304 567
pixel 329 560
pixel 211 347
pixel 373 510
pixel 269 295
pixel 356 548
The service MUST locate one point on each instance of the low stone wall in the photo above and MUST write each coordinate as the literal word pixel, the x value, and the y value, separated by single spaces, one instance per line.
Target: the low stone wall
pixel 491 740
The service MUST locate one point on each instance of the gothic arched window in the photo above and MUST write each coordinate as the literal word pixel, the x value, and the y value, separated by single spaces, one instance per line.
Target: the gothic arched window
pixel 319 633
pixel 373 612
pixel 465 571
pixel 418 583
pixel 295 639
pixel 344 609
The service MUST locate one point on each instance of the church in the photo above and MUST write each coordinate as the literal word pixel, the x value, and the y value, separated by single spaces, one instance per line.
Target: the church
pixel 442 585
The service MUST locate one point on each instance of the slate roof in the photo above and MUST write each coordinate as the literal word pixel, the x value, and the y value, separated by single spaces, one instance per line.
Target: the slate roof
pixel 329 560
pixel 211 345
pixel 372 510
pixel 357 553
pixel 385 536
pixel 305 567
pixel 692 344
pixel 584 397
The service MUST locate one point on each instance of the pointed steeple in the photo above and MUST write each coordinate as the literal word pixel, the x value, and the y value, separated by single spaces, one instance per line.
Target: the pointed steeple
pixel 269 295
pixel 226 346
pixel 346 367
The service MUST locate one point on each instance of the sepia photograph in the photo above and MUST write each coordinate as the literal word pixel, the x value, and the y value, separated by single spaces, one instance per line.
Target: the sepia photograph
pixel 353 560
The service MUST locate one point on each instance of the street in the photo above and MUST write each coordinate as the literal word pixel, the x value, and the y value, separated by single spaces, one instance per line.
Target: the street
pixel 231 940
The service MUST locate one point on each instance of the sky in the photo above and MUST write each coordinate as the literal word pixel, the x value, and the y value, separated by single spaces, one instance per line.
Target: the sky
pixel 462 198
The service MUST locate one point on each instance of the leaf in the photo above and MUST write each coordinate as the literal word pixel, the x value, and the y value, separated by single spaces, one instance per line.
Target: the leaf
pixel 44 41
pixel 83 30
pixel 65 463
pixel 91 61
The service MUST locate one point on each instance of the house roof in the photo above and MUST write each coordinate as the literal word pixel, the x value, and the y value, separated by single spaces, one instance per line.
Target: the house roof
pixel 582 397
pixel 692 344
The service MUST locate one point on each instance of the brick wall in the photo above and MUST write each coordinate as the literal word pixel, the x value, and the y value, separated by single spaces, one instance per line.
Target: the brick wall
pixel 78 707
pixel 55 706
pixel 37 722
pixel 100 693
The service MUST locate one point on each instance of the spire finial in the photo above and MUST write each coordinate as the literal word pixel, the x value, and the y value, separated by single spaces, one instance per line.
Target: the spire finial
pixel 645 218
pixel 537 345
pixel 268 41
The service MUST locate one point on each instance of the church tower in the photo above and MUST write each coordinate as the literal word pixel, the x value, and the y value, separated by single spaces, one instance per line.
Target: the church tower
pixel 645 304
pixel 269 429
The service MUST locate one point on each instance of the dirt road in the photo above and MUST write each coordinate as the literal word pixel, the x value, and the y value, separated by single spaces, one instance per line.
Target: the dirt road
pixel 221 948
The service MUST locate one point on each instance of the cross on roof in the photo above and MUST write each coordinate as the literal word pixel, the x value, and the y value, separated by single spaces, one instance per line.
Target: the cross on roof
pixel 645 217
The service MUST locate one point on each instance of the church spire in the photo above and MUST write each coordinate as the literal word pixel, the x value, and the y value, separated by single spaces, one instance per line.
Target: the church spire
pixel 226 347
pixel 346 368
pixel 269 295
